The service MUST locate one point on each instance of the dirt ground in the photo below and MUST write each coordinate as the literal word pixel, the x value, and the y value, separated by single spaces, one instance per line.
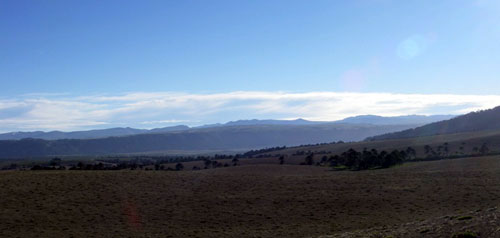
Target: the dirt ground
pixel 265 200
pixel 479 223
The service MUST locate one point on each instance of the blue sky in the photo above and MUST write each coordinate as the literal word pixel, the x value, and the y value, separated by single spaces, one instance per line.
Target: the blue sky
pixel 67 52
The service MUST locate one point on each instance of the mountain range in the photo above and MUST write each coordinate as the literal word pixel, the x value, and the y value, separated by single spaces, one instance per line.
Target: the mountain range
pixel 412 120
pixel 240 135
pixel 214 139
pixel 90 134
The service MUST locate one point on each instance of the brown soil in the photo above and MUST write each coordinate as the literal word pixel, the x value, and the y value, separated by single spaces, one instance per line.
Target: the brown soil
pixel 249 201
pixel 480 223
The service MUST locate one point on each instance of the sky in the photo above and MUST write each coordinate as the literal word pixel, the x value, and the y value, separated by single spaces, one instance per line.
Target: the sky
pixel 72 65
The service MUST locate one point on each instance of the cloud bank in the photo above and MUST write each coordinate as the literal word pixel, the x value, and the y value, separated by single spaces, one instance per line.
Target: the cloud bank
pixel 147 110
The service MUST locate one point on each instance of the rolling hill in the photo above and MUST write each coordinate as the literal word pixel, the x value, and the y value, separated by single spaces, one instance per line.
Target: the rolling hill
pixel 458 144
pixel 471 122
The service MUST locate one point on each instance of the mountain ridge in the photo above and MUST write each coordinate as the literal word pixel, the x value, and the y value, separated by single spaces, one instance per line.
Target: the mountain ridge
pixel 215 139
pixel 89 134
pixel 413 120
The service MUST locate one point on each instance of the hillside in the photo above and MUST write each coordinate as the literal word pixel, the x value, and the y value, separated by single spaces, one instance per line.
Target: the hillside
pixel 217 138
pixel 474 121
pixel 457 144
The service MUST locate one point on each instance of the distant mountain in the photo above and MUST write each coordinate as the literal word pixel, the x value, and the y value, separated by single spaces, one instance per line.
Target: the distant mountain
pixel 91 134
pixel 398 120
pixel 472 122
pixel 168 129
pixel 413 120
pixel 299 121
pixel 255 122
pixel 364 119
pixel 215 138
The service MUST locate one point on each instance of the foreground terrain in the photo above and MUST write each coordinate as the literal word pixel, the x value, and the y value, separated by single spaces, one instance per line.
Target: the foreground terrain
pixel 437 198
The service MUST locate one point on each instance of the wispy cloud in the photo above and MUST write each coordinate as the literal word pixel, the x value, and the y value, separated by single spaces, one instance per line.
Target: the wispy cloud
pixel 63 112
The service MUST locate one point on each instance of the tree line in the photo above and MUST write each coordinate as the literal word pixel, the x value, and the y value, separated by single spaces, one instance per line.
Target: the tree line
pixel 139 163
pixel 366 159
pixel 350 159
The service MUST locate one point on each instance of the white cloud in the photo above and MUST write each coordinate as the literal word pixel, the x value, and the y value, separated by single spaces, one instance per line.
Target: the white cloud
pixel 62 112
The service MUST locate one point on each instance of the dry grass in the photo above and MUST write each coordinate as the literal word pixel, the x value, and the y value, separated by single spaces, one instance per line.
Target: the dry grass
pixel 244 201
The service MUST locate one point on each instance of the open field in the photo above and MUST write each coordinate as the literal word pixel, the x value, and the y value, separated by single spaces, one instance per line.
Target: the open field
pixel 249 201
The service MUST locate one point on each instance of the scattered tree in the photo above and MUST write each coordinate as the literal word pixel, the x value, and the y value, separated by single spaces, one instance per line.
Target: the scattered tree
pixel 427 149
pixel 324 159
pixel 207 163
pixel 309 160
pixel 282 159
pixel 412 153
pixel 484 149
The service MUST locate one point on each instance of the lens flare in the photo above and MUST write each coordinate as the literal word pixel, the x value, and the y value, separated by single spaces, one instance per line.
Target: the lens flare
pixel 412 47
pixel 132 215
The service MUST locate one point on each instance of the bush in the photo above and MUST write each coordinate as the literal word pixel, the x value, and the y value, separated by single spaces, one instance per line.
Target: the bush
pixel 179 166
pixel 309 160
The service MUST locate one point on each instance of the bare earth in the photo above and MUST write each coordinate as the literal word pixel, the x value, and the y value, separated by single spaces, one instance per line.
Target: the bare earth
pixel 424 199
